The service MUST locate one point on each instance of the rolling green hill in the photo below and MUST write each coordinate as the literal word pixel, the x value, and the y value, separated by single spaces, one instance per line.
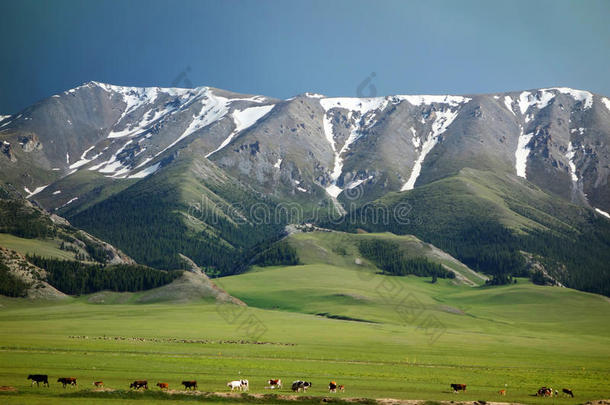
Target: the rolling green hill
pixel 342 250
pixel 488 221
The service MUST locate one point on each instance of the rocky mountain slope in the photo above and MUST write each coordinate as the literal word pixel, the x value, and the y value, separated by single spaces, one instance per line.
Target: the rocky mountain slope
pixel 204 172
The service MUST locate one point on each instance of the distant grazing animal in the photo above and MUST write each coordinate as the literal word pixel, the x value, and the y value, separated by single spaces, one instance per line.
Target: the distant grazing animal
pixel 332 386
pixel 163 386
pixel 502 392
pixel 99 384
pixel 137 384
pixel 568 391
pixel 235 385
pixel 67 381
pixel 39 378
pixel 245 385
pixel 458 387
pixel 273 384
pixel 300 385
pixel 545 392
pixel 342 388
pixel 192 385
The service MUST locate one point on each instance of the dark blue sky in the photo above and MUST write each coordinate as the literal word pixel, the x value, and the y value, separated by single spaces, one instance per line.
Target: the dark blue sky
pixel 282 48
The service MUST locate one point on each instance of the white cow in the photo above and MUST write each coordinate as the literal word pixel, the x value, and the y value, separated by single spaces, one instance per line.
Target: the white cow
pixel 234 385
pixel 241 385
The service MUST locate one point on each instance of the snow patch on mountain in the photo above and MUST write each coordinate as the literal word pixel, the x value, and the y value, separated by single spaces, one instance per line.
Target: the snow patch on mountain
pixel 539 99
pixel 606 102
pixel 543 97
pixel 213 108
pixel 69 202
pixel 571 153
pixel 604 213
pixel 579 95
pixel 36 191
pixel 441 122
pixel 146 172
pixel 244 119
pixel 112 165
pixel 361 111
pixel 453 101
pixel 508 102
pixel 522 153
pixel 83 159
pixel 355 183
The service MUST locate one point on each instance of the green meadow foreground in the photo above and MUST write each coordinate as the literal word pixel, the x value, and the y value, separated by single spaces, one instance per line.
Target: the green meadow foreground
pixel 380 336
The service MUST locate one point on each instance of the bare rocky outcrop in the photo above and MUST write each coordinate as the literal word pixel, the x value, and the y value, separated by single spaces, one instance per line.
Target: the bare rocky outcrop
pixel 32 275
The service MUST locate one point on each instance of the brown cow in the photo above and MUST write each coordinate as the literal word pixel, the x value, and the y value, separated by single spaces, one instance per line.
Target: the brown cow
pixel 342 388
pixel 545 392
pixel 99 384
pixel 67 381
pixel 458 387
pixel 190 385
pixel 502 392
pixel 137 384
pixel 163 386
pixel 273 384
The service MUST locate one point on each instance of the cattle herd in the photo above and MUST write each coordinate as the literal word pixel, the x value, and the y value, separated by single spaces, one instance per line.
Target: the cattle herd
pixel 244 385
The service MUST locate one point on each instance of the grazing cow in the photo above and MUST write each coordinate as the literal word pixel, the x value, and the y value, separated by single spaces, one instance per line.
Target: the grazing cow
pixel 162 386
pixel 545 392
pixel 300 385
pixel 502 392
pixel 458 387
pixel 235 385
pixel 273 384
pixel 332 386
pixel 568 391
pixel 67 381
pixel 39 378
pixel 190 385
pixel 342 388
pixel 99 384
pixel 137 384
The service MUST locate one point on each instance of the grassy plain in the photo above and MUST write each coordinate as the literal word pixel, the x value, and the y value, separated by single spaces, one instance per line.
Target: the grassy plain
pixel 410 339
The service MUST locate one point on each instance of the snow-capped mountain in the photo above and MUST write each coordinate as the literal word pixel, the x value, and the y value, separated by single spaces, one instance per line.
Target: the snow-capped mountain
pixel 311 146
pixel 214 174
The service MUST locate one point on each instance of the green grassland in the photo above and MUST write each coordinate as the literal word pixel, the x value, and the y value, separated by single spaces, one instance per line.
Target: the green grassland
pixel 409 339
pixel 43 247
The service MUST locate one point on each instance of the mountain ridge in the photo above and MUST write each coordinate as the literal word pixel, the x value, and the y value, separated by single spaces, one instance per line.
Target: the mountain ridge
pixel 191 167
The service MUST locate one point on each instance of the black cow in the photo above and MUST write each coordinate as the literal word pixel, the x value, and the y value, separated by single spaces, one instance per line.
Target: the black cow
pixel 137 384
pixel 568 391
pixel 190 385
pixel 39 378
pixel 458 387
